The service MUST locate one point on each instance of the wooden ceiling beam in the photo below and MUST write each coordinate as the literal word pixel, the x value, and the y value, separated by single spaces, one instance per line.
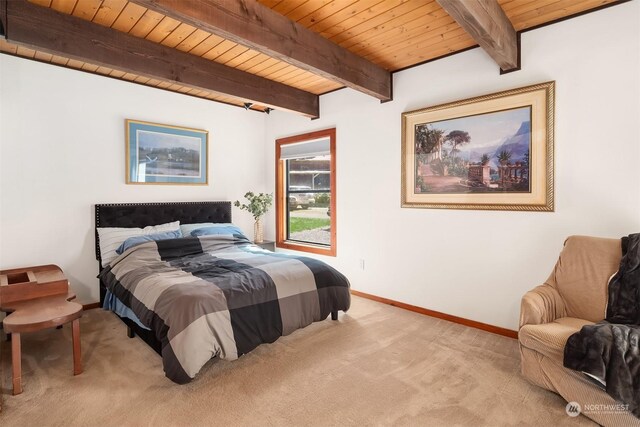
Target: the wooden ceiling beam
pixel 486 22
pixel 254 25
pixel 56 33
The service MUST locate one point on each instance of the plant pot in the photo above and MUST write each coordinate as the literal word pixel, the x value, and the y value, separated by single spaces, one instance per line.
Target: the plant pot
pixel 258 232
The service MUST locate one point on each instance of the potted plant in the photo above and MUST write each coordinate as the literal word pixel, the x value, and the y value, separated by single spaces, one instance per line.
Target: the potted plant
pixel 258 205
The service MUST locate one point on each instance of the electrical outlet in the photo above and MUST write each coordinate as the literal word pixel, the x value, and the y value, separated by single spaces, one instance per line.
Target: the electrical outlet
pixel 361 264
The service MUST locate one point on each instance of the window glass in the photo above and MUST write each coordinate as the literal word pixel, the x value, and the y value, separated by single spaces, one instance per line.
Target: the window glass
pixel 309 196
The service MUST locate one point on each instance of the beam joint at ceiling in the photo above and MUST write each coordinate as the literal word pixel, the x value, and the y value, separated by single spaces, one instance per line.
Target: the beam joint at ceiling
pixel 49 31
pixel 486 22
pixel 255 26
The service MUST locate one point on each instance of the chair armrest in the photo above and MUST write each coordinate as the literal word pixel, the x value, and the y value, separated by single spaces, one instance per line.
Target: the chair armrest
pixel 542 304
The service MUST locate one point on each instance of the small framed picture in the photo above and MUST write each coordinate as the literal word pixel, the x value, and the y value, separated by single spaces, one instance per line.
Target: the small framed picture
pixel 163 154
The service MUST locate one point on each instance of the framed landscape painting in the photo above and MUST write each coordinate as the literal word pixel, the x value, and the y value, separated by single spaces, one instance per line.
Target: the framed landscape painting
pixel 489 152
pixel 162 154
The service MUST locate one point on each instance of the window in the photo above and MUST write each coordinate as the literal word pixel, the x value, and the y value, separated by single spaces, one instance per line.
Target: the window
pixel 306 192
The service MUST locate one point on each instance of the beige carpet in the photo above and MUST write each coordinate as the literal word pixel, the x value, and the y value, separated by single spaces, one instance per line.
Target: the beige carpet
pixel 378 365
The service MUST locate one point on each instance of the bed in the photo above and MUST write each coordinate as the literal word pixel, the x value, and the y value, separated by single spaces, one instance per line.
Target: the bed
pixel 211 293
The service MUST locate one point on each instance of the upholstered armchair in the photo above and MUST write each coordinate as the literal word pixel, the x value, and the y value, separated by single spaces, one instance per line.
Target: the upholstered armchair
pixel 574 295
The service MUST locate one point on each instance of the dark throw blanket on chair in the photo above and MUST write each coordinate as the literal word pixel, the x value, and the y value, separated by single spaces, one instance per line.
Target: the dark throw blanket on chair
pixel 610 350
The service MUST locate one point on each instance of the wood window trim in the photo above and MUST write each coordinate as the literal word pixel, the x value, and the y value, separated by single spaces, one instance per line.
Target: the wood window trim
pixel 281 194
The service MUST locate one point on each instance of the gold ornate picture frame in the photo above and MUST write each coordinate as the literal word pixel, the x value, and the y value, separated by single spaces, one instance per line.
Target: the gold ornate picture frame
pixel 489 152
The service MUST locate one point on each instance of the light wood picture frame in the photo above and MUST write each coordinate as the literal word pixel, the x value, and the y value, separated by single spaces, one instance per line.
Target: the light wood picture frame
pixel 492 152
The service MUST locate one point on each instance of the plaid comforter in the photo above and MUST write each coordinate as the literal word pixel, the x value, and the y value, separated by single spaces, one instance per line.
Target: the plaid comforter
pixel 220 296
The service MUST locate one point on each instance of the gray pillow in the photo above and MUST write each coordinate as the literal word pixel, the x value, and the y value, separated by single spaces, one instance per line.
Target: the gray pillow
pixel 112 237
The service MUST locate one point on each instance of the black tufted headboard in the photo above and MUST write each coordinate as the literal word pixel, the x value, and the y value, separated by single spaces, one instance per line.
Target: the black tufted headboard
pixel 143 214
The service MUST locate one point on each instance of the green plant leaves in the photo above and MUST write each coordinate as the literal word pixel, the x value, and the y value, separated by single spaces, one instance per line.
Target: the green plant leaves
pixel 258 204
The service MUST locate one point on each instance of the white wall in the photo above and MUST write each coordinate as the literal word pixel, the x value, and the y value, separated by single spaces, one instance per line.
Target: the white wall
pixel 62 150
pixel 478 264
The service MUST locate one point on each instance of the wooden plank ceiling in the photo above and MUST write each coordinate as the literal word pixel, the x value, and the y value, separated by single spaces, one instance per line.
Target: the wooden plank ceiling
pixel 393 34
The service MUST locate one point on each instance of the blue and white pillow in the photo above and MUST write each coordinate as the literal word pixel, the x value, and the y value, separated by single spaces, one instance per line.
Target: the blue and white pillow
pixel 138 240
pixel 227 229
pixel 188 228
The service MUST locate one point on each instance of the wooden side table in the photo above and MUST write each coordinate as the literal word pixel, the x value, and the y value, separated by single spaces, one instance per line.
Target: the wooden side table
pixel 37 298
